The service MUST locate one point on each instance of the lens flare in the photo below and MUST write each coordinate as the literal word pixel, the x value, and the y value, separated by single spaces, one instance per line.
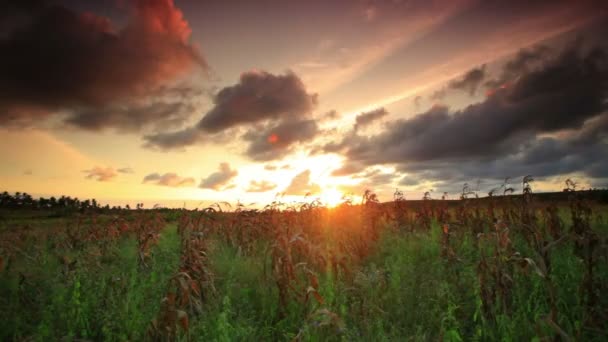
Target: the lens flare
pixel 273 138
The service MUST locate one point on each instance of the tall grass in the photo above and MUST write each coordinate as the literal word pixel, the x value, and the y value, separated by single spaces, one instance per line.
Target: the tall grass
pixel 501 268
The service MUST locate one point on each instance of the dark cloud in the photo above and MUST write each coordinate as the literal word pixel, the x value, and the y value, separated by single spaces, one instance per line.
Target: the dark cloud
pixel 544 158
pixel 175 140
pixel 275 142
pixel 132 117
pixel 301 185
pixel 367 118
pixel 563 94
pixel 168 179
pixel 521 63
pixel 258 96
pixel 438 95
pixel 350 138
pixel 57 61
pixel 101 174
pixel 581 151
pixel 409 181
pixel 262 186
pixel 548 121
pixel 375 178
pixel 219 180
pixel 278 107
pixel 470 81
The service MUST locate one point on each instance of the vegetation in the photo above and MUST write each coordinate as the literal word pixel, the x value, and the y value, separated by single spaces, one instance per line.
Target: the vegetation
pixel 504 267
pixel 64 205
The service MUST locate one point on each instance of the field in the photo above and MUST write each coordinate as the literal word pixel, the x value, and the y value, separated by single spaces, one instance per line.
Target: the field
pixel 512 267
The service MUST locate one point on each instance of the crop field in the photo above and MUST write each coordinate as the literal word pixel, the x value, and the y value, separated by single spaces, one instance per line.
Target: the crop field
pixel 504 267
pixel 294 170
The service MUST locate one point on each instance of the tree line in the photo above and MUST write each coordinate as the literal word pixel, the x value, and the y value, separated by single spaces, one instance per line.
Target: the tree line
pixel 23 200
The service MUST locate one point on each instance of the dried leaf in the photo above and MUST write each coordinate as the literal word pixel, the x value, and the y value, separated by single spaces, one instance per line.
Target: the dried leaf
pixel 535 267
pixel 182 316
pixel 314 281
pixel 316 294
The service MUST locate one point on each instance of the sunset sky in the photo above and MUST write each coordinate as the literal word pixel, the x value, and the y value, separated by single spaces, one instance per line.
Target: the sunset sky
pixel 165 101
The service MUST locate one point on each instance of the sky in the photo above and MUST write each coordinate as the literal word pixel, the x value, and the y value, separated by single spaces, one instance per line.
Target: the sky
pixel 181 102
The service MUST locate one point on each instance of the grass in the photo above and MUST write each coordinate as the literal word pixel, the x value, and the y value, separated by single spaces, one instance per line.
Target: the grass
pixel 110 298
pixel 307 274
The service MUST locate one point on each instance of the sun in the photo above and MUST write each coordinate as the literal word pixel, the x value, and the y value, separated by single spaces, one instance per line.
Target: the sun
pixel 331 197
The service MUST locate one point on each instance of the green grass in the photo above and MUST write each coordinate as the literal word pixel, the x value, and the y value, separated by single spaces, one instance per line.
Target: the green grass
pixel 403 291
pixel 111 298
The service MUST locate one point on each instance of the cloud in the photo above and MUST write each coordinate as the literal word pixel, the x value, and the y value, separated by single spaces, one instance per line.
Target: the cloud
pixel 330 116
pixel 275 142
pixel 439 95
pixel 409 181
pixel 132 117
pixel 175 140
pixel 372 179
pixel 376 177
pixel 168 179
pixel 80 67
pixel 521 63
pixel 367 118
pixel 258 96
pixel 278 107
pixel 580 152
pixel 100 174
pixel 262 186
pixel 300 185
pixel 417 100
pixel 125 170
pixel 548 121
pixel 562 95
pixel 470 81
pixel 348 168
pixel 220 179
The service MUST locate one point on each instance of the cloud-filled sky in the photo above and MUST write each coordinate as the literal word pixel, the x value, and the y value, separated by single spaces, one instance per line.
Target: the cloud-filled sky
pixel 166 101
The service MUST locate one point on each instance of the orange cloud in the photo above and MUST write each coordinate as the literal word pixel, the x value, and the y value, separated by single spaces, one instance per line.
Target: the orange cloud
pixel 97 70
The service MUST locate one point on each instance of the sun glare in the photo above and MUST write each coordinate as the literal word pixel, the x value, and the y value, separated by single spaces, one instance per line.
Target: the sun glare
pixel 331 197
